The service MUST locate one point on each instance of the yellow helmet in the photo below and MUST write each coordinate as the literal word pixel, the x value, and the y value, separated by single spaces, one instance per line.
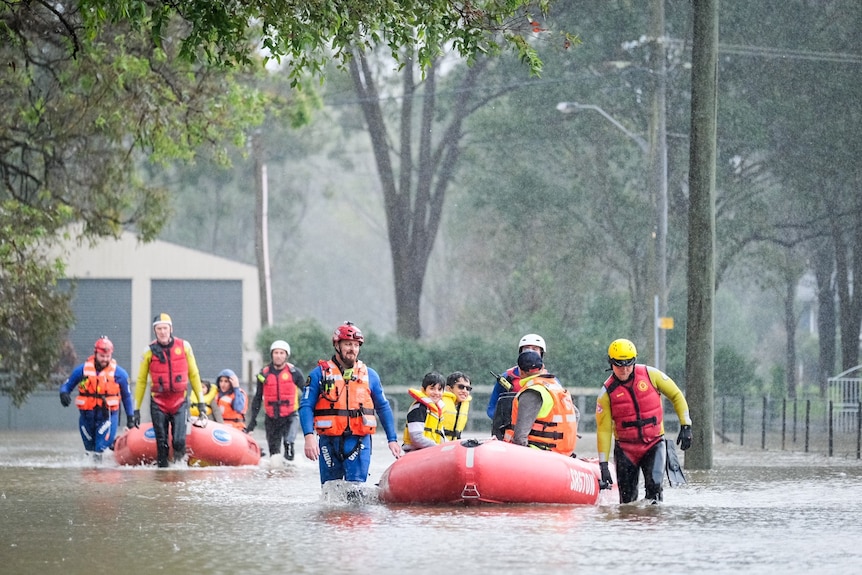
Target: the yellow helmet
pixel 622 352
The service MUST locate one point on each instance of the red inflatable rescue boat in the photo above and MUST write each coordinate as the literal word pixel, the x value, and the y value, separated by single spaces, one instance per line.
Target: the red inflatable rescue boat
pixel 491 471
pixel 213 444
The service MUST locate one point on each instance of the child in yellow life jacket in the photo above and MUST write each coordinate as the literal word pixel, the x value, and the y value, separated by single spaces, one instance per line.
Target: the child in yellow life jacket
pixel 210 392
pixel 456 405
pixel 424 426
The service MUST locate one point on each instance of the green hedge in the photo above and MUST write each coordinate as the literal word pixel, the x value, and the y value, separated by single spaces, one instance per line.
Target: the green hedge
pixel 400 361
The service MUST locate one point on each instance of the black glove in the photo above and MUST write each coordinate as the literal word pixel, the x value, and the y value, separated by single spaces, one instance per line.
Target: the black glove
pixel 130 422
pixel 250 426
pixel 136 418
pixel 606 481
pixel 684 437
pixel 65 399
pixel 202 411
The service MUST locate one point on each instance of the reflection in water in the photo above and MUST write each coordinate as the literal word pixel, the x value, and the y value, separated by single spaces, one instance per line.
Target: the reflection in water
pixel 756 512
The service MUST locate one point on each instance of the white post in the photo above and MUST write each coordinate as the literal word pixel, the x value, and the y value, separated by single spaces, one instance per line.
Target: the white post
pixel 267 275
pixel 656 319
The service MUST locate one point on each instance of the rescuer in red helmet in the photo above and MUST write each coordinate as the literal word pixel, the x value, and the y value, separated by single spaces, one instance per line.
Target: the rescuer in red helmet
pixel 339 403
pixel 102 385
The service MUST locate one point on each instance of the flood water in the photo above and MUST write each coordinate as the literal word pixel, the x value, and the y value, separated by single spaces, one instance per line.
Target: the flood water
pixel 755 512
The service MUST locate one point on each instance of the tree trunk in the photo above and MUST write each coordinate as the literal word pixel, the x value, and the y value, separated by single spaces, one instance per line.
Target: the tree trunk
pixel 700 358
pixel 824 265
pixel 414 186
pixel 855 308
pixel 790 331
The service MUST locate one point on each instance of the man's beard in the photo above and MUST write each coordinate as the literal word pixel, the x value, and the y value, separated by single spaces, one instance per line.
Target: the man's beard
pixel 345 362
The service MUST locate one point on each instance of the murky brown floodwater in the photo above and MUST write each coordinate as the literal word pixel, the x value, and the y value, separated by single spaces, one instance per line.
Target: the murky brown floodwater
pixel 756 512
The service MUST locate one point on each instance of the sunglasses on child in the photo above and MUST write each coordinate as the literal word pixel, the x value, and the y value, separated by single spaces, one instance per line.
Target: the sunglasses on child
pixel 462 386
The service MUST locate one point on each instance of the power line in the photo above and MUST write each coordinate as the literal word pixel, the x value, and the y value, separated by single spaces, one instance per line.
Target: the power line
pixel 790 54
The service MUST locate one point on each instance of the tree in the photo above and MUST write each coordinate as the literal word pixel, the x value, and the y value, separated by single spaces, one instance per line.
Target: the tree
pixel 802 113
pixel 308 34
pixel 97 85
pixel 77 114
pixel 415 183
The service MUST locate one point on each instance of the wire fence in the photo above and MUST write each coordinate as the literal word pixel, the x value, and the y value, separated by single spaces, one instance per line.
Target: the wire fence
pixel 821 426
pixel 831 427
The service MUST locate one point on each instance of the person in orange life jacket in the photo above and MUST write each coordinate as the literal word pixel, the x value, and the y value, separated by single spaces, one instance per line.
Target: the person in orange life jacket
pixel 102 385
pixel 279 386
pixel 629 409
pixel 424 427
pixel 339 402
pixel 169 363
pixel 232 400
pixel 508 385
pixel 543 415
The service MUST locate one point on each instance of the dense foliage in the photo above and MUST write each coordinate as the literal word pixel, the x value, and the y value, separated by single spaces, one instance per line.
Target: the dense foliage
pixel 79 109
pixel 578 361
pixel 95 87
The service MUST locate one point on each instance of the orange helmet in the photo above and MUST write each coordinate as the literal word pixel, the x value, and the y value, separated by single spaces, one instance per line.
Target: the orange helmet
pixel 347 330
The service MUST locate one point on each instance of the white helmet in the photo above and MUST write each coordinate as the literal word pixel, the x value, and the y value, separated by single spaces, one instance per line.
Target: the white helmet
pixel 532 339
pixel 280 344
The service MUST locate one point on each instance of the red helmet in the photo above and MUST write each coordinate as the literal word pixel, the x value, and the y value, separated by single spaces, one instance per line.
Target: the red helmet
pixel 347 331
pixel 104 345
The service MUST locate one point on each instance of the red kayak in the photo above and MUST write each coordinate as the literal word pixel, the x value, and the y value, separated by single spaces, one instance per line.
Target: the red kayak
pixel 490 471
pixel 213 444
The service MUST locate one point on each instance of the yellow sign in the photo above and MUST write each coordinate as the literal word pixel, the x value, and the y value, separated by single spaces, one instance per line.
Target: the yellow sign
pixel 665 322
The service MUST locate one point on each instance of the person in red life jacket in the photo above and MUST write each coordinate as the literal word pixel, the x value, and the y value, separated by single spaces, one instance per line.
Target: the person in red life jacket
pixel 629 410
pixel 169 363
pixel 102 385
pixel 339 403
pixel 507 386
pixel 543 415
pixel 232 400
pixel 424 426
pixel 279 386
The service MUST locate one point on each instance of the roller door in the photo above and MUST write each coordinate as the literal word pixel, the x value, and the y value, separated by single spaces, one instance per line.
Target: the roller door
pixel 207 313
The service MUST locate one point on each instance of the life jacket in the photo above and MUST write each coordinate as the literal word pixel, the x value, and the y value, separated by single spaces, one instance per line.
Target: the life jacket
pixel 556 425
pixel 636 408
pixel 207 399
pixel 454 415
pixel 228 414
pixel 169 372
pixel 344 407
pixel 513 374
pixel 98 389
pixel 280 392
pixel 433 429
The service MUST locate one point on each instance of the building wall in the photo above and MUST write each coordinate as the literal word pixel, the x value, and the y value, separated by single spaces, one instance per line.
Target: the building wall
pixel 214 302
pixel 119 286
pixel 101 307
